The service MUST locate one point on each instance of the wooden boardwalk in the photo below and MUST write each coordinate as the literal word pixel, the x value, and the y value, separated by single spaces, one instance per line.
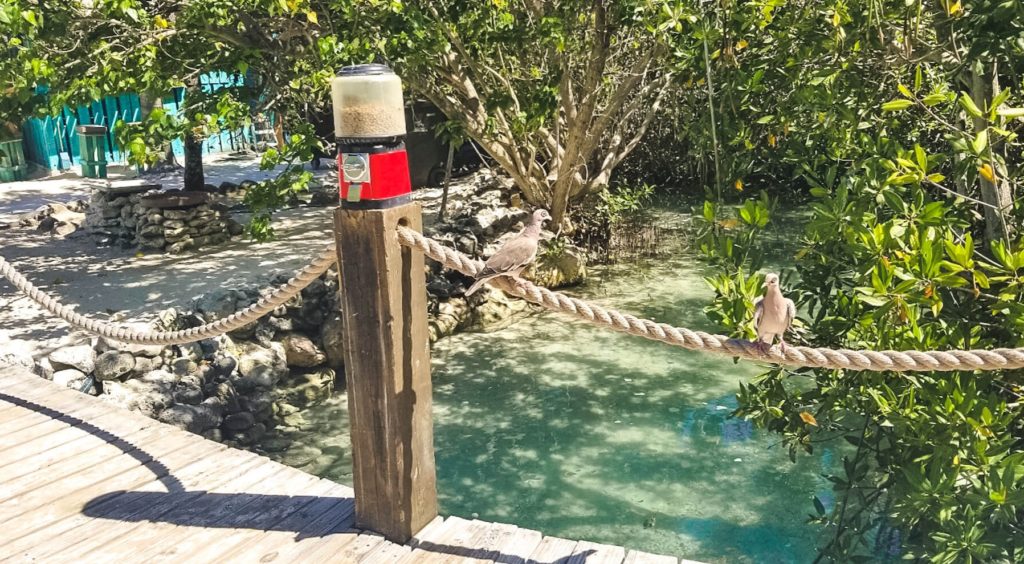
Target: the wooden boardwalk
pixel 84 481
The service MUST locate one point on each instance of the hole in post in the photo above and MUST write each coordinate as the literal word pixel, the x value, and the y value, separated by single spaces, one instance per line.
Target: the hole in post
pixel 403 222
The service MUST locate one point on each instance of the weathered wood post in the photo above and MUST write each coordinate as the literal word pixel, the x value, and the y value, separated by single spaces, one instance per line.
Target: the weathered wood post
pixel 384 307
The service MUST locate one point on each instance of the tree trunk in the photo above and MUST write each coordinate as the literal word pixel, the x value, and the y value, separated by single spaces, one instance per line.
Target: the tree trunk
pixel 447 181
pixel 194 179
pixel 996 195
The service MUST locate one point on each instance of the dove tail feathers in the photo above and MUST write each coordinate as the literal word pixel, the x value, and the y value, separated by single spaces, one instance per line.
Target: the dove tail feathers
pixel 476 286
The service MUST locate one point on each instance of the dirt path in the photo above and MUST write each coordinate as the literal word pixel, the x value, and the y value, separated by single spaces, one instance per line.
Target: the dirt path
pixel 117 283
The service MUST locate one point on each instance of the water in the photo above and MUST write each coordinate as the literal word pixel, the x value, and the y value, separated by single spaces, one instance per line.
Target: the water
pixel 583 433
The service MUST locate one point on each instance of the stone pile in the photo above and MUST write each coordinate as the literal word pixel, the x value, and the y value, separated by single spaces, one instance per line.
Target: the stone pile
pixel 177 230
pixel 128 216
pixel 56 219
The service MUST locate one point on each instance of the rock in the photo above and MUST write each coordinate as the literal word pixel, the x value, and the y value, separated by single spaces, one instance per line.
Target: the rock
pixel 496 311
pixel 333 339
pixel 275 443
pixel 137 350
pixel 309 389
pixel 193 418
pixel 81 357
pixel 239 421
pixel 218 304
pixel 227 187
pixel 234 228
pixel 145 364
pixel 16 353
pixel 150 230
pixel 64 229
pixel 251 435
pixel 70 378
pixel 300 455
pixel 44 369
pixel 180 246
pixel 209 347
pixel 146 397
pixel 262 366
pixel 282 324
pixel 189 396
pixel 224 365
pixel 566 269
pixel 193 351
pixel 112 365
pixel 152 243
pixel 214 435
pixel 183 366
pixel 301 351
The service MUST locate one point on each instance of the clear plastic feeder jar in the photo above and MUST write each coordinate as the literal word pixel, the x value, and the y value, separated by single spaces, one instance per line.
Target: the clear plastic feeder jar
pixel 367 103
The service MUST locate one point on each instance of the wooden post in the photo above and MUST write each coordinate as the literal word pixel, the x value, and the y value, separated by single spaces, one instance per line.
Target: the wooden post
pixel 387 368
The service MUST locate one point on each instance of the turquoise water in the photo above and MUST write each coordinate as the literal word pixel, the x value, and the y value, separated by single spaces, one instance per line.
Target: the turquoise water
pixel 588 434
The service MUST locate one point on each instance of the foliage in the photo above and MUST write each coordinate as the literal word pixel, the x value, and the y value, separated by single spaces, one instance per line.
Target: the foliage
pixel 901 121
pixel 283 189
pixel 558 93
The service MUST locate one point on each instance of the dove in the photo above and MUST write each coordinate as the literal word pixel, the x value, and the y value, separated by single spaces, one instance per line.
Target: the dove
pixel 515 255
pixel 773 314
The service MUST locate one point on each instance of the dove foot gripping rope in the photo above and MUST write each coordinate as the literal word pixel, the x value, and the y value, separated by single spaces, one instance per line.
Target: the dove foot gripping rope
pixel 369 126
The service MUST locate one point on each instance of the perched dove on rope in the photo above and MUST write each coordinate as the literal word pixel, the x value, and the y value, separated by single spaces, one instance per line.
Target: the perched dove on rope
pixel 773 314
pixel 515 255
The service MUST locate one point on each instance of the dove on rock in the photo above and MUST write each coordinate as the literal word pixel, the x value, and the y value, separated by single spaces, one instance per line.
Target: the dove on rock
pixel 773 314
pixel 515 255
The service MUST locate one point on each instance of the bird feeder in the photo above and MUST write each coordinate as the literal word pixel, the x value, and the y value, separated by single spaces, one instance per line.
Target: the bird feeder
pixel 369 127
pixel 93 157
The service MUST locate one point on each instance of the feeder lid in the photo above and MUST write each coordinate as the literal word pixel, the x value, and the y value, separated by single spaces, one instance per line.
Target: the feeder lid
pixel 362 70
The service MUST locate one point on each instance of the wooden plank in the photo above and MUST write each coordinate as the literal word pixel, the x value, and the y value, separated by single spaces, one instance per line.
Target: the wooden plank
pixel 490 537
pixel 637 557
pixel 125 506
pixel 387 367
pixel 129 513
pixel 518 547
pixel 595 553
pixel 19 490
pixel 344 547
pixel 54 445
pixel 182 518
pixel 254 513
pixel 448 543
pixel 552 550
pixel 268 518
pixel 385 553
pixel 50 508
pixel 283 544
pixel 32 425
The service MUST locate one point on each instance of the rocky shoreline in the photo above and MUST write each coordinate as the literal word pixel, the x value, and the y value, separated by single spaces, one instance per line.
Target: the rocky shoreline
pixel 250 387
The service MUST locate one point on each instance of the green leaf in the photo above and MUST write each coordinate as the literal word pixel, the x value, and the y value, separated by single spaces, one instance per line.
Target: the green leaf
pixel 896 105
pixel 1011 112
pixel 933 99
pixel 905 91
pixel 968 105
pixel 980 142
pixel 766 119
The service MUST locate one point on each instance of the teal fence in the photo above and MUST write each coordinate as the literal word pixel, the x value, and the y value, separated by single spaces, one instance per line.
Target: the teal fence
pixel 52 143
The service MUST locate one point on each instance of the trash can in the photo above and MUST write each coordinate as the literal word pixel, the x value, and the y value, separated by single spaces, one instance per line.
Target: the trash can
pixel 91 139
pixel 12 161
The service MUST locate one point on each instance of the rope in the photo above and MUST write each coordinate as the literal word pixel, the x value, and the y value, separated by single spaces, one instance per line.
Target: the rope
pixel 897 361
pixel 126 334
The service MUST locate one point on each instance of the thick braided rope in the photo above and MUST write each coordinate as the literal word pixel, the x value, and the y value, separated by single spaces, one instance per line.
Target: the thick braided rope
pixel 126 334
pixel 899 361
